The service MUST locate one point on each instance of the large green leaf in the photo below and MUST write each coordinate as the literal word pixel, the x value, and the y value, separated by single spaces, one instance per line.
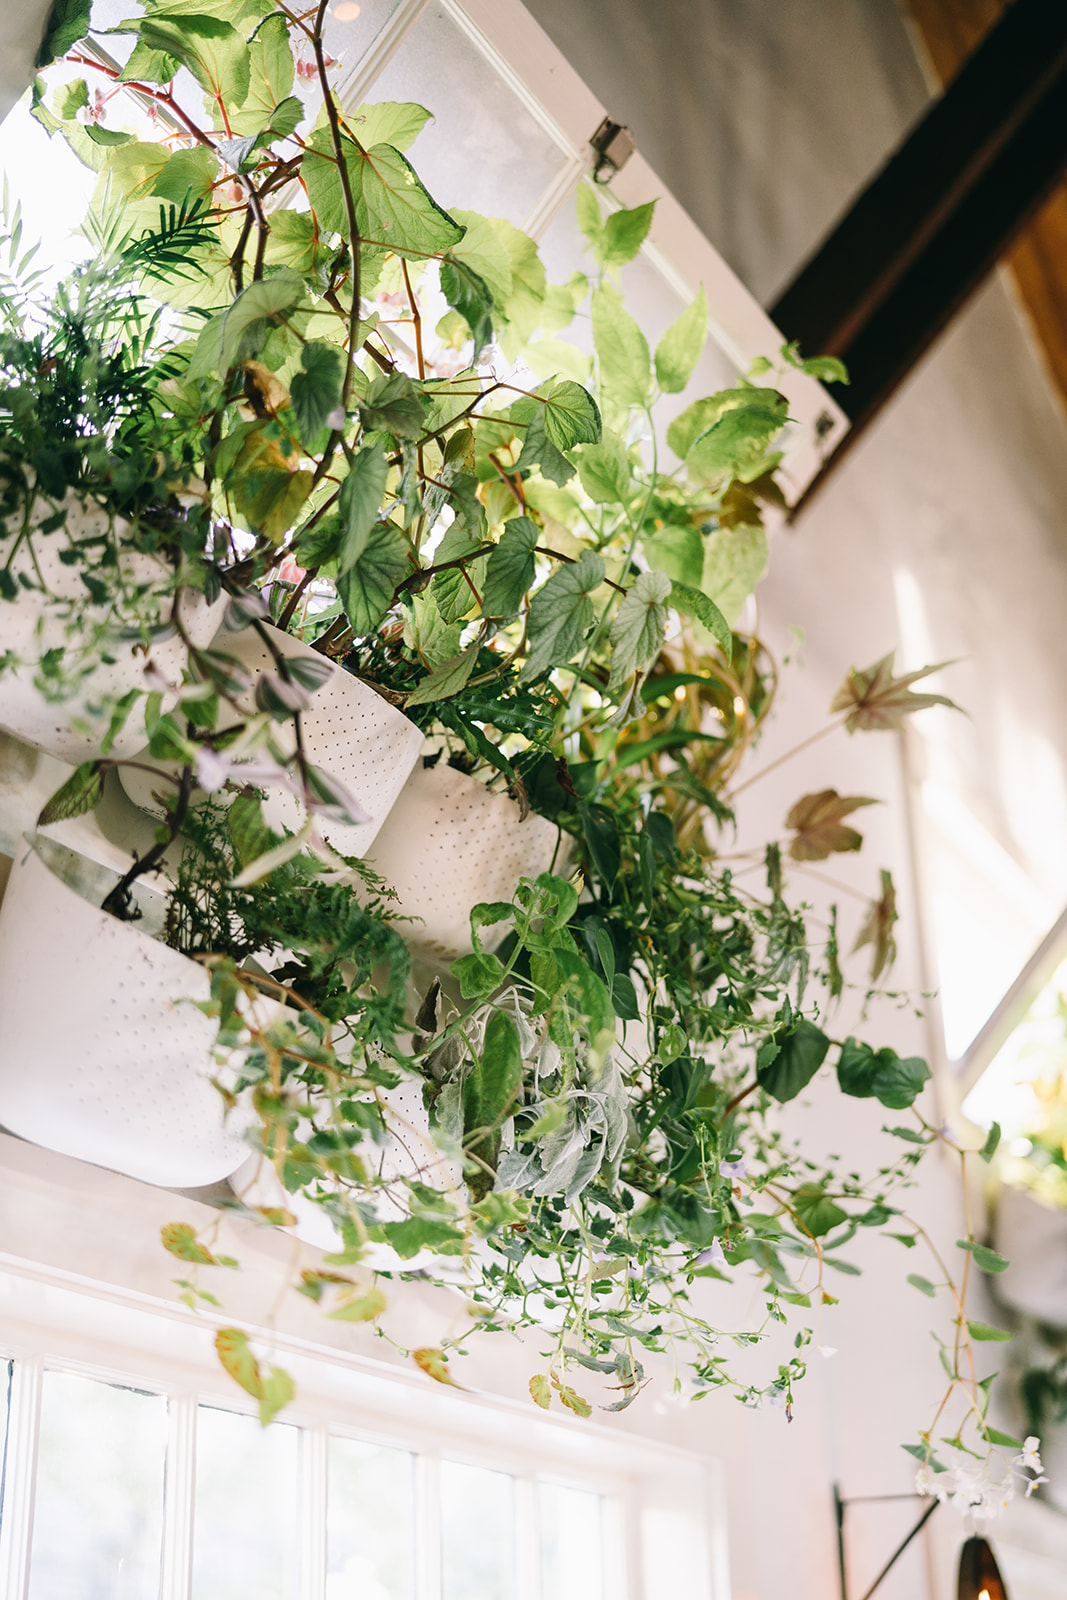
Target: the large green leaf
pixel 735 559
pixel 369 585
pixel 623 234
pixel 509 571
pixel 492 1084
pixel 446 679
pixel 392 404
pixel 695 603
pixel 395 122
pixel 360 502
pixel 270 59
pixel 792 1060
pixel 254 313
pixel 470 295
pixel 68 21
pixel 561 614
pixel 537 448
pixel 316 388
pixel 622 350
pixel 604 470
pixel 392 207
pixel 680 348
pixel 571 416
pixel 638 627
pixel 212 50
pixel 732 445
pixel 816 1211
pixel 82 792
pixel 705 413
pixel 483 250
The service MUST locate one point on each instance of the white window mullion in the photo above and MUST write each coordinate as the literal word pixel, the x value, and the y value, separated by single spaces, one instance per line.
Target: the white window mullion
pixel 620 1551
pixel 314 1467
pixel 179 1498
pixel 527 1542
pixel 427 1528
pixel 20 1474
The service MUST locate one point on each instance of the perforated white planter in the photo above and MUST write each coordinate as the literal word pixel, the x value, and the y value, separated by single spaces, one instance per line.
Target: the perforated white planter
pixel 348 730
pixel 100 1055
pixel 448 845
pixel 30 625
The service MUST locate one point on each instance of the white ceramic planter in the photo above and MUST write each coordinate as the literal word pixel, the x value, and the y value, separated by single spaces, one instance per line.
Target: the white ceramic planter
pixel 1033 1236
pixel 348 730
pixel 100 1055
pixel 31 625
pixel 448 845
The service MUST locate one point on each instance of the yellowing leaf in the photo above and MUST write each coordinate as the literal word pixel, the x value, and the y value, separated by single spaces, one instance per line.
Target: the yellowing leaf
pixel 435 1365
pixel 572 1400
pixel 878 929
pixel 541 1391
pixel 180 1239
pixel 361 1308
pixel 235 1353
pixel 876 701
pixel 817 819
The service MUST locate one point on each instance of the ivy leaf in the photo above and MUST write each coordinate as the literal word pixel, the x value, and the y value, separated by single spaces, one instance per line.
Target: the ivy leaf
pixel 695 603
pixel 254 312
pixel 992 1140
pixel 923 1285
pixel 392 405
pixel 827 369
pixel 877 930
pixel 638 628
pixel 876 701
pixel 509 570
pixel 817 821
pixel 990 1261
pixel 680 348
pixel 316 389
pixel 869 1074
pixel 368 588
pixel 82 792
pixel 360 502
pixel 818 1213
pixel 604 470
pixel 447 679
pixel 571 416
pixel 622 350
pixel 181 1240
pixel 623 234
pixel 471 296
pixel 561 614
pixel 797 1058
pixel 983 1332
pixel 435 1365
pixel 541 1390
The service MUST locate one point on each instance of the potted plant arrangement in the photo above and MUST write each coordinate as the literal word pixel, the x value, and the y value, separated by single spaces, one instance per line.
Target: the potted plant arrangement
pixel 580 1109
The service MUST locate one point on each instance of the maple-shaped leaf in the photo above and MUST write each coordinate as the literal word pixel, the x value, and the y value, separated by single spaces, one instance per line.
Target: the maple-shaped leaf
pixel 875 700
pixel 817 819
pixel 877 930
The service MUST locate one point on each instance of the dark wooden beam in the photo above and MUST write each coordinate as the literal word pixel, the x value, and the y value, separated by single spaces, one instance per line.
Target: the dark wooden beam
pixel 935 220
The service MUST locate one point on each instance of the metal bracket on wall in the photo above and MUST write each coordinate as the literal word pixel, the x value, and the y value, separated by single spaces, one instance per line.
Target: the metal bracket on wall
pixel 840 1506
pixel 612 146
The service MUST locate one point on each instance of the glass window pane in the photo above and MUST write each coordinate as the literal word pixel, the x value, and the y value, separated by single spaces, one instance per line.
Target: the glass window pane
pixel 571 1543
pixel 351 28
pixel 371 1522
pixel 477 1534
pixel 98 1517
pixel 246 1527
pixel 484 152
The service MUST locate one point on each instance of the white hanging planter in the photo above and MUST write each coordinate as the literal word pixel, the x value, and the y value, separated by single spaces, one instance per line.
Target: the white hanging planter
pixel 101 1055
pixel 449 844
pixel 1033 1237
pixel 33 624
pixel 349 731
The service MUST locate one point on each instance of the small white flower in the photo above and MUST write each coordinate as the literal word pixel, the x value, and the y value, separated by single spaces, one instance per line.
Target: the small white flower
pixel 712 1257
pixel 336 418
pixel 923 1480
pixel 1030 1457
pixel 1033 1483
pixel 827 1350
pixel 732 1169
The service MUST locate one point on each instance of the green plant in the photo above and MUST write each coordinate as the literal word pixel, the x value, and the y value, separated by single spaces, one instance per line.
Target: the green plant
pixel 523 569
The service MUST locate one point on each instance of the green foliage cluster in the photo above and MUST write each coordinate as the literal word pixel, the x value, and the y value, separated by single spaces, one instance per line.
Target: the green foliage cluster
pixel 495 529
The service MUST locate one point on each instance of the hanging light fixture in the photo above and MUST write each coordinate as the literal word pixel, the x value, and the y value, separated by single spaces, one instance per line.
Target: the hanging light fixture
pixel 979 1574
